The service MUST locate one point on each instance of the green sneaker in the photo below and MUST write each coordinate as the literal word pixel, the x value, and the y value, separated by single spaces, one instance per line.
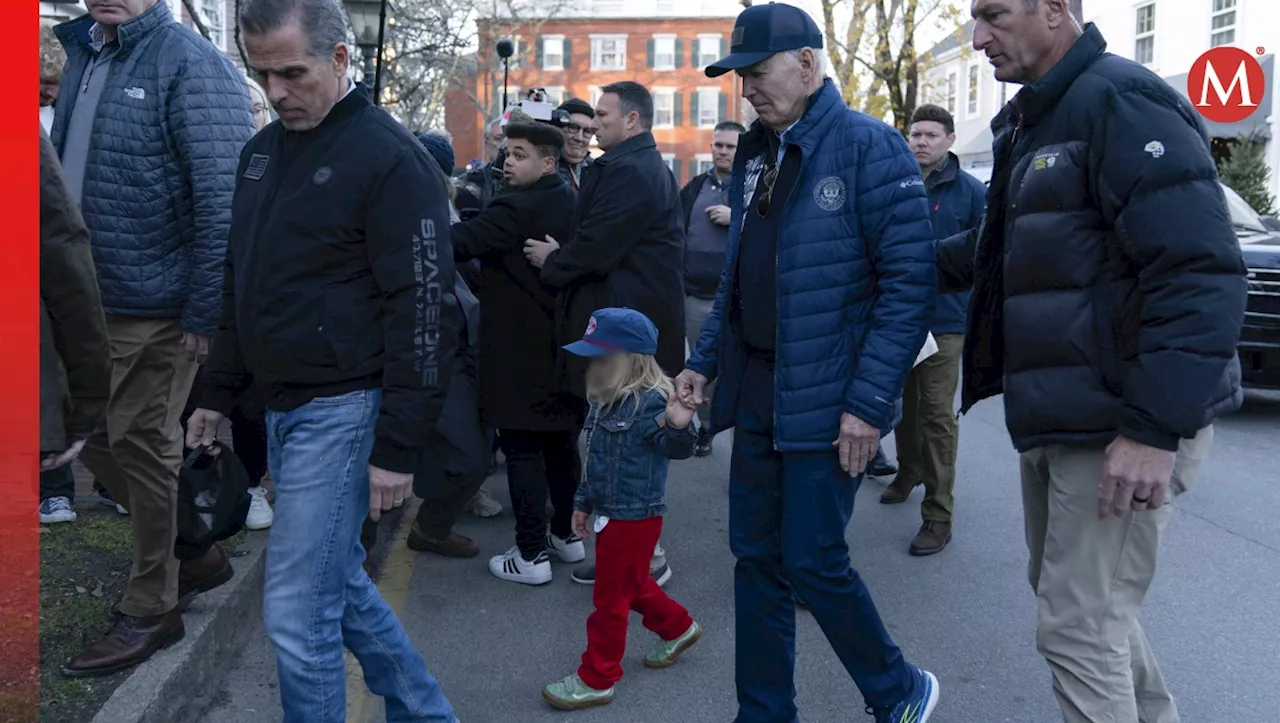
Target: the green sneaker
pixel 667 652
pixel 573 694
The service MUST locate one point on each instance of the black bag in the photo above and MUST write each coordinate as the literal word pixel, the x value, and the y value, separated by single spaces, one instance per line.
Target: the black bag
pixel 213 497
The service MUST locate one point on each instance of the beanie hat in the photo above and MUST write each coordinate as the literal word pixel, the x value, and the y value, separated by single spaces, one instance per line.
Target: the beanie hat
pixel 578 105
pixel 440 149
pixel 515 115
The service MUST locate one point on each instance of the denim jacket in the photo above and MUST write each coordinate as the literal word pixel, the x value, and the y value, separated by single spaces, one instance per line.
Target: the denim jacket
pixel 628 447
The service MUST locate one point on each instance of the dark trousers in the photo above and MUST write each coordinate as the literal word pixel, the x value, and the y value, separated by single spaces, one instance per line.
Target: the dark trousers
pixel 540 465
pixel 444 502
pixel 787 518
pixel 60 482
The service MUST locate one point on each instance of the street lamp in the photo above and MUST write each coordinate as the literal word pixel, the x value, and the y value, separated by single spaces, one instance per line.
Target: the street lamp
pixel 369 22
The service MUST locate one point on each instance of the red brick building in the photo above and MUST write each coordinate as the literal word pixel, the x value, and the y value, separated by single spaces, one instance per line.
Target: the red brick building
pixel 575 57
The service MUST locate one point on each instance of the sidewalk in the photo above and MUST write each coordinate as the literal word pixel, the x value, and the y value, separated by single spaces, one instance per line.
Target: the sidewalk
pixel 84 566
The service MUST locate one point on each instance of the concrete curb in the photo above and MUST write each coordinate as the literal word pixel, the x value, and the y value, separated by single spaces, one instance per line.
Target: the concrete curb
pixel 171 685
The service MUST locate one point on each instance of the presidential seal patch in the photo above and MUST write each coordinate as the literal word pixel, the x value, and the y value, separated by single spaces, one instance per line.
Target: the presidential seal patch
pixel 322 176
pixel 829 194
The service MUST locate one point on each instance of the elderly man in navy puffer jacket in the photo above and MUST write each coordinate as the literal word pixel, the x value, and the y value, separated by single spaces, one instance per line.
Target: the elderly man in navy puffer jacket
pixel 149 126
pixel 822 309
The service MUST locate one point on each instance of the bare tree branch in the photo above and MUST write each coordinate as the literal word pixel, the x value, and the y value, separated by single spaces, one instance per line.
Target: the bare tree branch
pixel 197 19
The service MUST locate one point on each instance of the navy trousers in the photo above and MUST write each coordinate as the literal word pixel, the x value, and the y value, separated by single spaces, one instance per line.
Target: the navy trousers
pixel 787 518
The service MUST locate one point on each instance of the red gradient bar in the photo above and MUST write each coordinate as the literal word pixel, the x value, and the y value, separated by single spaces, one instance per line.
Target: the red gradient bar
pixel 20 372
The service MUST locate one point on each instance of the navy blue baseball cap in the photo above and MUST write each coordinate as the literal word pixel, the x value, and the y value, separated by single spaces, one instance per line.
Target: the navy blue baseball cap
pixel 611 331
pixel 764 30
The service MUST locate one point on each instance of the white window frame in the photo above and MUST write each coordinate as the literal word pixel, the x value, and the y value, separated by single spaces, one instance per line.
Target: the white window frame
pixel 703 91
pixel 597 51
pixel 555 94
pixel 593 96
pixel 973 91
pixel 549 41
pixel 702 163
pixel 670 160
pixel 1216 35
pixel 216 29
pixel 951 93
pixel 664 38
pixel 1004 94
pixel 1149 36
pixel 702 55
pixel 669 93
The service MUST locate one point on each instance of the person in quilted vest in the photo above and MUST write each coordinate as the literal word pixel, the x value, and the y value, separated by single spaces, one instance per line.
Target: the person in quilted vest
pixel 813 330
pixel 149 123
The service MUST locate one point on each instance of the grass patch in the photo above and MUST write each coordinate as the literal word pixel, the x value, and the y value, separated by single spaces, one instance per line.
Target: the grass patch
pixel 84 566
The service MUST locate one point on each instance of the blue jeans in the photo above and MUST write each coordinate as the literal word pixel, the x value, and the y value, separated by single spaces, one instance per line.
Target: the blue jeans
pixel 317 597
pixel 787 518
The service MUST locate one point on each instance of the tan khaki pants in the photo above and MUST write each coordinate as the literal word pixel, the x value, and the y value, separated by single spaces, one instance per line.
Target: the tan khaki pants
pixel 138 455
pixel 1090 577
pixel 928 434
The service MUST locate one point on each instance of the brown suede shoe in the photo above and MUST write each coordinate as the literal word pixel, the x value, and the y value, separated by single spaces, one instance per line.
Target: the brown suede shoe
pixel 932 538
pixel 210 570
pixel 897 491
pixel 451 545
pixel 131 641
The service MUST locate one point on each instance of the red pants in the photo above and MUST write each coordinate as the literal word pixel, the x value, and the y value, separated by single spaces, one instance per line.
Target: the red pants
pixel 623 584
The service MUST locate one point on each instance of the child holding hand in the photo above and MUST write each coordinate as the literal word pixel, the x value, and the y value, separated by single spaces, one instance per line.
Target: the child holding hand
pixel 635 425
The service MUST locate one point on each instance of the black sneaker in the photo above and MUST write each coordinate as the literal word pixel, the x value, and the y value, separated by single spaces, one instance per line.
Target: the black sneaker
pixel 703 447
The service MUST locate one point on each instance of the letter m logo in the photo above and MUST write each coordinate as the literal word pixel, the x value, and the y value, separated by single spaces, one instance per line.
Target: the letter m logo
pixel 1225 84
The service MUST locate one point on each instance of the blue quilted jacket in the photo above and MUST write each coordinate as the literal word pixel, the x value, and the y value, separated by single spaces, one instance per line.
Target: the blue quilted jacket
pixel 855 278
pixel 161 170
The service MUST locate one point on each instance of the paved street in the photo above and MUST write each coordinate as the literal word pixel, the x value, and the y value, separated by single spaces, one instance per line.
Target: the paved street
pixel 967 614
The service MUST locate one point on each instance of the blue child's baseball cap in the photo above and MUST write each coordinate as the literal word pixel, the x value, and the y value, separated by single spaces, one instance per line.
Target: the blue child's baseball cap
pixel 764 30
pixel 611 331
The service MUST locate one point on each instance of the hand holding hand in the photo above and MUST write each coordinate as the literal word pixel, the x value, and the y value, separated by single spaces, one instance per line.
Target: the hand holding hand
pixel 719 214
pixel 386 490
pixel 679 414
pixel 197 346
pixel 202 428
pixel 1134 477
pixel 689 386
pixel 579 524
pixel 55 461
pixel 536 252
pixel 856 445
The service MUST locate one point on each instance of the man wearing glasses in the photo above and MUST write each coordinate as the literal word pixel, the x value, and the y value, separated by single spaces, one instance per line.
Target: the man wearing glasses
pixel 816 323
pixel 577 139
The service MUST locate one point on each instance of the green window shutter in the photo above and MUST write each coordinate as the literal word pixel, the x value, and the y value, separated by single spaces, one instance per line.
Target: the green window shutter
pixel 538 53
pixel 724 105
pixel 649 51
pixel 678 116
pixel 694 119
pixel 722 49
pixel 567 62
pixel 675 169
pixel 679 53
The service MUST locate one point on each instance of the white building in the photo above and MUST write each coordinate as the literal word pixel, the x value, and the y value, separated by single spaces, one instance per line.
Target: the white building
pixel 1165 35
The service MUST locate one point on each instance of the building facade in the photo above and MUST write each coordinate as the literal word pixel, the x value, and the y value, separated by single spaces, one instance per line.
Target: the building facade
pixel 577 56
pixel 1165 35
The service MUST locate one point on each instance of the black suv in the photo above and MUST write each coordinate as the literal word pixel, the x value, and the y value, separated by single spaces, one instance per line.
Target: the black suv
pixel 1260 337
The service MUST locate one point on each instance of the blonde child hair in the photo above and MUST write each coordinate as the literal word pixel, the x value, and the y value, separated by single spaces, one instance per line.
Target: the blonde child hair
pixel 627 375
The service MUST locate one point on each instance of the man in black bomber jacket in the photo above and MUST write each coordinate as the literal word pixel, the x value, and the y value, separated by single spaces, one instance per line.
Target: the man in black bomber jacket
pixel 1108 296
pixel 338 304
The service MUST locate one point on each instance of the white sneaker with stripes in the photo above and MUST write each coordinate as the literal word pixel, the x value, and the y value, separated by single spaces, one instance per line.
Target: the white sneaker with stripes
pixel 512 566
